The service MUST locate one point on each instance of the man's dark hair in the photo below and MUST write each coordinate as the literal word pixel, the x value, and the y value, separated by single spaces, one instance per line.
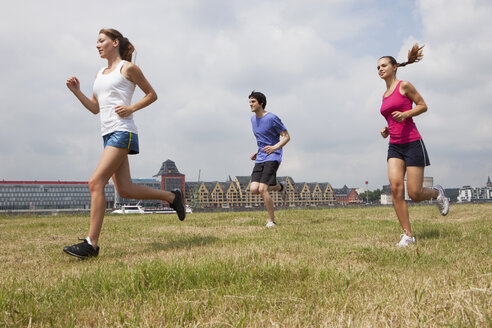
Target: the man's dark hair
pixel 260 97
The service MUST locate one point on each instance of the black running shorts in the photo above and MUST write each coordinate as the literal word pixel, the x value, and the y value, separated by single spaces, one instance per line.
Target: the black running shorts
pixel 265 172
pixel 412 153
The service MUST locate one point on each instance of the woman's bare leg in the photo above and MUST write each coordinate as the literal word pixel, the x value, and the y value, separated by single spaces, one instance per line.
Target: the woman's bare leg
pixel 126 189
pixel 396 175
pixel 415 180
pixel 111 159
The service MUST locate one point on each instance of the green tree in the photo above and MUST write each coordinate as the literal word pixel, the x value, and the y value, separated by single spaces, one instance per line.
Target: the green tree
pixel 374 196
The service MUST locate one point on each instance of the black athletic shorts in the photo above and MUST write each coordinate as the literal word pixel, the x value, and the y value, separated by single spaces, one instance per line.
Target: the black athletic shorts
pixel 413 153
pixel 265 172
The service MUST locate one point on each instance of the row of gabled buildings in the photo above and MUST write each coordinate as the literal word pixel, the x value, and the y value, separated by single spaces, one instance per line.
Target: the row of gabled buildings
pixel 235 192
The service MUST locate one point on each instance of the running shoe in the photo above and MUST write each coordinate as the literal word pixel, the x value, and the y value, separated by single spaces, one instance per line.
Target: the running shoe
pixel 283 192
pixel 271 224
pixel 178 204
pixel 405 240
pixel 82 250
pixel 442 201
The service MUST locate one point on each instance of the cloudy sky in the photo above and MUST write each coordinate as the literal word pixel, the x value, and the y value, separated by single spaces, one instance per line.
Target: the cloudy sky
pixel 314 59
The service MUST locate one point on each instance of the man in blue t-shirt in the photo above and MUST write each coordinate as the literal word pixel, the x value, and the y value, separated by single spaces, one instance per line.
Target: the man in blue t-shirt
pixel 271 135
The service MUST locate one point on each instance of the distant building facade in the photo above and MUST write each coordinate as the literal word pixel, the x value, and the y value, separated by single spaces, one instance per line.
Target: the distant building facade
pixel 386 196
pixel 41 195
pixel 473 194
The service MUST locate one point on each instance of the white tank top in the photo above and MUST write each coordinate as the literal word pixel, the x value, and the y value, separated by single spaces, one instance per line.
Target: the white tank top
pixel 112 90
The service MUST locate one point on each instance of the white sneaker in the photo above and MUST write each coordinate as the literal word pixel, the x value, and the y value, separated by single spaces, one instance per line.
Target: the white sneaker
pixel 283 193
pixel 442 201
pixel 405 240
pixel 271 224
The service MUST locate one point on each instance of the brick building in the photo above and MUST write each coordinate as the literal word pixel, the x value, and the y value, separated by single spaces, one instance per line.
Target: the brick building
pixel 347 196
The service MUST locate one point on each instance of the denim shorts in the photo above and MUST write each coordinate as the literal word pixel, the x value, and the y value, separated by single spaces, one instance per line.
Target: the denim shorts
pixel 413 153
pixel 122 139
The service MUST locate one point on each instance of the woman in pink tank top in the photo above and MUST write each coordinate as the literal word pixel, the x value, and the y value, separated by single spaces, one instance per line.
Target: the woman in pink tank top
pixel 111 99
pixel 406 151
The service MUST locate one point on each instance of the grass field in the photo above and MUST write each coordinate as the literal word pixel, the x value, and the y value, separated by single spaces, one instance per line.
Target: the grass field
pixel 318 268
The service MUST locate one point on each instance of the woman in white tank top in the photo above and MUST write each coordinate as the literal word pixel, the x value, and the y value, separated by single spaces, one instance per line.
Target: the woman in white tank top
pixel 112 93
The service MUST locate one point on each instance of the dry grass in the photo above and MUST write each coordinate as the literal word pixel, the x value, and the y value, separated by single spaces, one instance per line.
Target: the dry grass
pixel 318 268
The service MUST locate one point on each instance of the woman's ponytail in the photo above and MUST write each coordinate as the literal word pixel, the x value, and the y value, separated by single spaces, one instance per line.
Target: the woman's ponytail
pixel 414 55
pixel 126 49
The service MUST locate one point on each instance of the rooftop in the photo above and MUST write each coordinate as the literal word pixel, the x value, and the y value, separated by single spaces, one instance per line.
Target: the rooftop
pixel 168 168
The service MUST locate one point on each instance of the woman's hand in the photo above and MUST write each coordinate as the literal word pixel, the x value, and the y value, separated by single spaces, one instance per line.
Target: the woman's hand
pixel 385 132
pixel 123 111
pixel 133 73
pixel 399 116
pixel 73 84
pixel 253 156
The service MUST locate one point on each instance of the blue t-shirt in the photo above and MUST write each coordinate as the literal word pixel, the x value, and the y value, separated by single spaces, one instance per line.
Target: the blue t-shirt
pixel 267 131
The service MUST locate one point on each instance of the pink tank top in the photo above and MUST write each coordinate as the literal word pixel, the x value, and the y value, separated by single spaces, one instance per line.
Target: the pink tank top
pixel 400 132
